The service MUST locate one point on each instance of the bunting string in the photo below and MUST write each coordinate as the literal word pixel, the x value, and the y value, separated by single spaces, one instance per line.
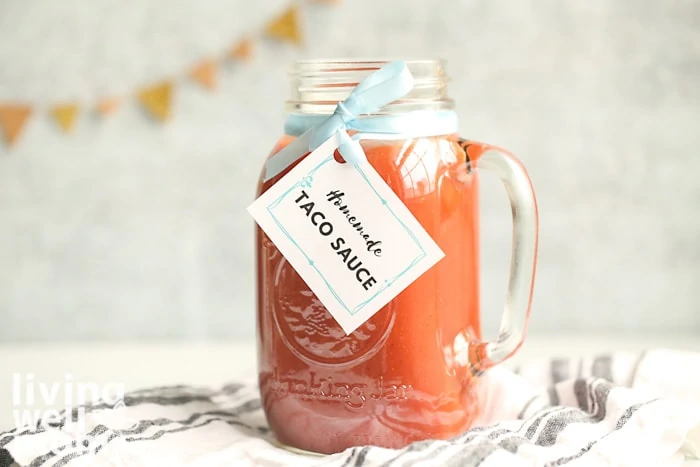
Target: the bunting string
pixel 156 98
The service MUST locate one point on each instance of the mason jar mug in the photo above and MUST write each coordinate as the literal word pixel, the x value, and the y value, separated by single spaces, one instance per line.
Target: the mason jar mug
pixel 411 371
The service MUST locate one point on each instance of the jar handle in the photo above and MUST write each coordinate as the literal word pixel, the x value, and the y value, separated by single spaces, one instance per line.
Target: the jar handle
pixel 486 158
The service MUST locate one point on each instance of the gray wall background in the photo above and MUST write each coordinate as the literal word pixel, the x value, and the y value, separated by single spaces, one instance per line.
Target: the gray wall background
pixel 131 229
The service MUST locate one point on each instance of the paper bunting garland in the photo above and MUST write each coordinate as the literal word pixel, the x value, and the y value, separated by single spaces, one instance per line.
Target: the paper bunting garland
pixel 107 106
pixel 242 51
pixel 12 120
pixel 65 116
pixel 205 74
pixel 285 27
pixel 157 100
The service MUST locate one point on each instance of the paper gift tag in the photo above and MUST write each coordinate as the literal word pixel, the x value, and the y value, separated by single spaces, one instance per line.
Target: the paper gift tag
pixel 346 233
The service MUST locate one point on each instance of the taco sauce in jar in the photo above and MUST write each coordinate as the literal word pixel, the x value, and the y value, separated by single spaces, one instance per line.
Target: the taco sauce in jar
pixel 409 372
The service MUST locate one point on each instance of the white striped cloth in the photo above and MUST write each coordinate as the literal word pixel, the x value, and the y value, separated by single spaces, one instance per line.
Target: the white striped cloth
pixel 614 409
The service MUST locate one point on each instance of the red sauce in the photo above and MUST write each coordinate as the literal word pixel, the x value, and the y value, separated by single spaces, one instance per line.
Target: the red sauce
pixel 400 377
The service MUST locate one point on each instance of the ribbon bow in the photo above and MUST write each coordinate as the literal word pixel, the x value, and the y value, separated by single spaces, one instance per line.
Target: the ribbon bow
pixel 382 87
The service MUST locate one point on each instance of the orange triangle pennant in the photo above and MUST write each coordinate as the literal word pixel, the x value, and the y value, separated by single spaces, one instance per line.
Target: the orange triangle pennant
pixel 108 105
pixel 65 115
pixel 205 74
pixel 156 100
pixel 285 27
pixel 241 51
pixel 12 120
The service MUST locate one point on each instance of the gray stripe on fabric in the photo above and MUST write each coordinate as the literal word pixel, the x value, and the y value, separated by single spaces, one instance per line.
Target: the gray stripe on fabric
pixel 415 447
pixel 553 395
pixel 157 435
pixel 475 456
pixel 527 406
pixel 534 424
pixel 439 449
pixel 350 457
pixel 361 456
pixel 602 367
pixel 600 390
pixel 6 459
pixel 512 443
pixel 131 400
pixel 559 370
pixel 554 426
pixel 582 394
pixel 466 441
pixel 620 423
pixel 142 426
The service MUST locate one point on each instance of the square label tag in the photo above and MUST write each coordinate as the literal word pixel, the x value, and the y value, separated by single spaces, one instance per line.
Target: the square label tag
pixel 346 233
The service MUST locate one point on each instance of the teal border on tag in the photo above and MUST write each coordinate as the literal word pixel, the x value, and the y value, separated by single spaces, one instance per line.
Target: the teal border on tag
pixel 306 181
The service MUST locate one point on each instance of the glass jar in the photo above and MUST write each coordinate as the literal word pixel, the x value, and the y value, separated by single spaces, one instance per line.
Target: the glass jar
pixel 411 371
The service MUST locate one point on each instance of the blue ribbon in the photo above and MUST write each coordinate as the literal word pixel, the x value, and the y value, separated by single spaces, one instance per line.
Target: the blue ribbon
pixel 382 87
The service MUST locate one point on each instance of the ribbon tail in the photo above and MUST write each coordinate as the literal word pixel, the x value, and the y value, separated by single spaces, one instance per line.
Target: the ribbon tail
pixel 385 85
pixel 350 149
pixel 382 87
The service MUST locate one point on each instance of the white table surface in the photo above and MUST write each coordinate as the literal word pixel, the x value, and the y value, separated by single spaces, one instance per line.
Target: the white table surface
pixel 142 364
